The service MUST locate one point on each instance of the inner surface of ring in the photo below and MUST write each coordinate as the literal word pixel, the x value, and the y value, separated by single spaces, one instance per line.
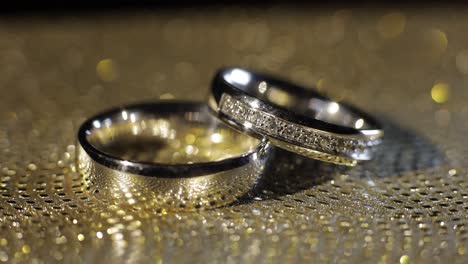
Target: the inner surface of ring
pixel 179 138
pixel 295 99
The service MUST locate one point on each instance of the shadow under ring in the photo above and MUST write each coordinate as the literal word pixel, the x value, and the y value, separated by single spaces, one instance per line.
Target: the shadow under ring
pixel 167 185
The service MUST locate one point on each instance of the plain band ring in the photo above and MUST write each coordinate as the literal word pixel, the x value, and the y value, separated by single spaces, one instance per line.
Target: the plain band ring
pixel 168 186
pixel 294 118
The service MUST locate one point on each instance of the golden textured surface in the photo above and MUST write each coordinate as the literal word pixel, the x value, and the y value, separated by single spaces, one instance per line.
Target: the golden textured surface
pixel 408 67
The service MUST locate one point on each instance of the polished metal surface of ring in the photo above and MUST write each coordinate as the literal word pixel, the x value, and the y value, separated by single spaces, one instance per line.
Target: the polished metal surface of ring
pixel 294 118
pixel 173 155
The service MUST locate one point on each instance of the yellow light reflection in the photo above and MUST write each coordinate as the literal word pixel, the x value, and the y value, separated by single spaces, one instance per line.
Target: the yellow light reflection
pixel 320 84
pixel 438 40
pixel 440 92
pixel 167 96
pixel 106 70
pixel 26 249
pixel 404 259
pixel 391 25
pixel 279 97
pixel 190 139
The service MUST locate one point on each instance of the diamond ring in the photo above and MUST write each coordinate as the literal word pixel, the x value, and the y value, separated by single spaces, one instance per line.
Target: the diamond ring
pixel 293 117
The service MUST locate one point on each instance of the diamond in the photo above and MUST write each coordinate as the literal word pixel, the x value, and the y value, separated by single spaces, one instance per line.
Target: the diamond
pixel 288 131
pixel 274 126
pixel 249 115
pixel 240 111
pixel 259 120
pixel 306 139
pixel 281 128
pixel 326 143
pixel 332 144
pixel 298 134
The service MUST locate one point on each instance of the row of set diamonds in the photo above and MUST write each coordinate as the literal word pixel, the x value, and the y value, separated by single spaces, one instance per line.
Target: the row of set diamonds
pixel 274 126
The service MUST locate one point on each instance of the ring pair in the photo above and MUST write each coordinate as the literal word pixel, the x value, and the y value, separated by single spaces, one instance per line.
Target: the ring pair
pixel 248 113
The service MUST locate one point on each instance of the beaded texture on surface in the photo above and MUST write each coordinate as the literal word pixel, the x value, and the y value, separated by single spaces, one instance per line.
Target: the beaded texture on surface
pixel 408 67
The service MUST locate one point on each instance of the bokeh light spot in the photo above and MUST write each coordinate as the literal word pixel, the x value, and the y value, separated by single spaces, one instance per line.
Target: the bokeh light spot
pixel 438 40
pixel 391 25
pixel 106 70
pixel 440 92
pixel 166 96
pixel 404 259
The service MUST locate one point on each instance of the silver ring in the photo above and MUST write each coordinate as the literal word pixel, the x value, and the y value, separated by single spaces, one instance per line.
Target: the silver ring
pixel 167 186
pixel 293 117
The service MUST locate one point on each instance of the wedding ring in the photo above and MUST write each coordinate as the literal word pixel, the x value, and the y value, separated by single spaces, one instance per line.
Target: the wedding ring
pixel 293 117
pixel 169 156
